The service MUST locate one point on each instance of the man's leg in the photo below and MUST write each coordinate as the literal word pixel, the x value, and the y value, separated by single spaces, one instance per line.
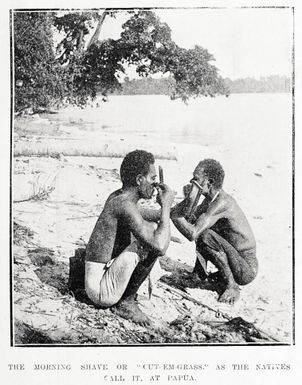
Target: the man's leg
pixel 117 282
pixel 127 307
pixel 139 275
pixel 121 281
pixel 233 268
pixel 117 274
pixel 200 267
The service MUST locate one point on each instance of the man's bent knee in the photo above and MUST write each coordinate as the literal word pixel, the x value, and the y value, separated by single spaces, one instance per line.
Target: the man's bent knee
pixel 248 275
pixel 205 239
pixel 105 303
pixel 105 283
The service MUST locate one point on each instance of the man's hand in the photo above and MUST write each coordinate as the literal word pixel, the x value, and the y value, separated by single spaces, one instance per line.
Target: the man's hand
pixel 165 196
pixel 186 189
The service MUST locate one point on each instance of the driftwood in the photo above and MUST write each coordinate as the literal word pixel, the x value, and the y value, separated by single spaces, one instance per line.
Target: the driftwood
pixel 217 312
pixel 191 299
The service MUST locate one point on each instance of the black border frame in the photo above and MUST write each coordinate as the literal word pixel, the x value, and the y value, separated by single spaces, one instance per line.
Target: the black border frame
pixel 12 344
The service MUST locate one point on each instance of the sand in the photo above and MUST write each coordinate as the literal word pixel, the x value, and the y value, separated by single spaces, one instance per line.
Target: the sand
pixel 59 199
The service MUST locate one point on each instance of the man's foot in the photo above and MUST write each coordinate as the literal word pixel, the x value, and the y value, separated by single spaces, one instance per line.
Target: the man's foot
pixel 215 278
pixel 211 282
pixel 182 280
pixel 230 295
pixel 214 282
pixel 129 309
pixel 192 279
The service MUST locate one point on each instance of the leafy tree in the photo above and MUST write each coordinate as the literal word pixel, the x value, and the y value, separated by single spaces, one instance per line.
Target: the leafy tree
pixel 37 75
pixel 77 70
pixel 147 86
pixel 146 42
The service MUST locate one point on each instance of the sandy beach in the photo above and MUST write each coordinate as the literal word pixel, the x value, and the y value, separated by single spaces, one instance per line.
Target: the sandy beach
pixel 59 197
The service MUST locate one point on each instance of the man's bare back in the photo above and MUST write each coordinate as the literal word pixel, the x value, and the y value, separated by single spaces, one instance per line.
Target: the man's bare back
pixel 111 234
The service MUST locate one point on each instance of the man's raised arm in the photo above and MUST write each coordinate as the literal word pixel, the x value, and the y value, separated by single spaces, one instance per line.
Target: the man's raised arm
pixel 150 215
pixel 204 221
pixel 157 238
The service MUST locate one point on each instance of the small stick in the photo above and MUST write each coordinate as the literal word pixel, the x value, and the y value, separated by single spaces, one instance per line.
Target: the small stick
pixel 83 217
pixel 38 312
pixel 71 317
pixel 161 174
pixel 150 287
pixel 186 296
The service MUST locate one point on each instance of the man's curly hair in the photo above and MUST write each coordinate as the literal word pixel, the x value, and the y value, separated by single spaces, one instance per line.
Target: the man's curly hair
pixel 213 170
pixel 135 163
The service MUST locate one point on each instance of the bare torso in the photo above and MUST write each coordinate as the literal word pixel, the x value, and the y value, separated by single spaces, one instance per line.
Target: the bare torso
pixel 111 234
pixel 229 221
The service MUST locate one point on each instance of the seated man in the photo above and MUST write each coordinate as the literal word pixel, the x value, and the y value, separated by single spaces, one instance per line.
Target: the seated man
pixel 221 231
pixel 115 267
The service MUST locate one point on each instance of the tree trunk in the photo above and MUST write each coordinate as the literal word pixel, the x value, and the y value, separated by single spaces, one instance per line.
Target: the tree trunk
pixel 80 44
pixel 97 31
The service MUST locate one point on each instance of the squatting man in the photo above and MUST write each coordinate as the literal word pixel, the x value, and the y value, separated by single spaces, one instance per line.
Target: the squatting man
pixel 220 230
pixel 116 265
pixel 127 239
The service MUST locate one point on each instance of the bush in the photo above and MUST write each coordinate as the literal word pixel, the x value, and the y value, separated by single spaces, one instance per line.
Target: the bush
pixel 37 75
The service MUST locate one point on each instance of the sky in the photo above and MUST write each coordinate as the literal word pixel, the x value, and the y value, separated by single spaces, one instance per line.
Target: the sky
pixel 245 42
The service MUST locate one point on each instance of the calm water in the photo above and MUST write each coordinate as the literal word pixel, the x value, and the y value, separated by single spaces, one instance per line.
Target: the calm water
pixel 250 133
pixel 245 118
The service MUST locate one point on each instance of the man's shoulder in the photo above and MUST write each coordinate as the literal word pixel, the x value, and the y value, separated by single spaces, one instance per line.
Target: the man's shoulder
pixel 230 203
pixel 225 197
pixel 224 202
pixel 114 201
pixel 121 203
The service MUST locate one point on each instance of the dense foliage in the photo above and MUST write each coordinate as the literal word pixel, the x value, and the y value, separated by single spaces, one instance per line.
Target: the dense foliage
pixel 163 86
pixel 56 60
pixel 37 74
pixel 146 86
pixel 273 83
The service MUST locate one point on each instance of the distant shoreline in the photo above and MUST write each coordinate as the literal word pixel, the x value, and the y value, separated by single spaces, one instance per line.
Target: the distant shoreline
pixel 162 86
